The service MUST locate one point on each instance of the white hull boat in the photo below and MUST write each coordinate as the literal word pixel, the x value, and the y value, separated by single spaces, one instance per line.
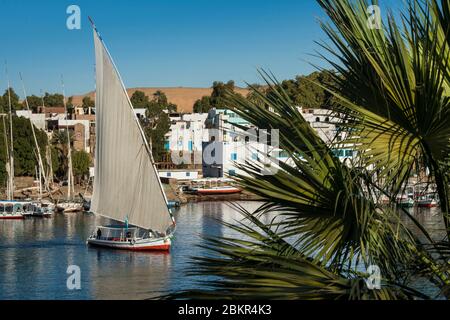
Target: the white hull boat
pixel 11 216
pixel 67 207
pixel 14 210
pixel 129 242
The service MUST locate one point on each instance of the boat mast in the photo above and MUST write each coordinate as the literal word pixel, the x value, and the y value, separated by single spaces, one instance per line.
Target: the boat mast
pixel 8 187
pixel 70 184
pixel 36 144
pixel 11 145
pixel 48 156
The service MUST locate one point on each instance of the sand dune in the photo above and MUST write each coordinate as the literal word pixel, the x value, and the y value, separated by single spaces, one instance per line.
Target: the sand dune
pixel 183 97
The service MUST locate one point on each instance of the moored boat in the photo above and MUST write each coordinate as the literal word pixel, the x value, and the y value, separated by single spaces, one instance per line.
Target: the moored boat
pixel 427 203
pixel 405 202
pixel 13 209
pixel 69 206
pixel 218 190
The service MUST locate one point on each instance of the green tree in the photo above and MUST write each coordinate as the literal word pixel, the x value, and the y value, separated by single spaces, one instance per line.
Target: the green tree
pixel 60 144
pixel 15 104
pixel 34 102
pixel 304 90
pixel 139 99
pixel 81 161
pixel 216 99
pixel 53 100
pixel 25 157
pixel 157 123
pixel 203 105
pixel 88 103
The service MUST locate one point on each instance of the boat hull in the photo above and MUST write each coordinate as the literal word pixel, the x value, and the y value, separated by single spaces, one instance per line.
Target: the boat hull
pixel 157 244
pixel 69 207
pixel 11 217
pixel 218 191
pixel 427 205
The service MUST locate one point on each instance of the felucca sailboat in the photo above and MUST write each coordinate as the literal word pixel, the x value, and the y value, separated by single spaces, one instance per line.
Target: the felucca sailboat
pixel 127 187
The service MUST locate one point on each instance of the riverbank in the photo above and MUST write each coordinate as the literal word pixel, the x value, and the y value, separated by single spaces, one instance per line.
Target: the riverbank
pixel 173 193
pixel 27 188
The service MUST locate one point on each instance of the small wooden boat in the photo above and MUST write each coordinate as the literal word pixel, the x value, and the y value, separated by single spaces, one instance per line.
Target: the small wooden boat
pixel 405 202
pixel 69 206
pixel 218 190
pixel 41 209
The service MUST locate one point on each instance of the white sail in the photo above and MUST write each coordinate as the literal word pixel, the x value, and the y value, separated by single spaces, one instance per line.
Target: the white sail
pixel 126 183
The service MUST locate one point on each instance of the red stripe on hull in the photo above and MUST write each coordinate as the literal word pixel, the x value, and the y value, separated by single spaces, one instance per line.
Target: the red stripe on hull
pixel 11 218
pixel 427 205
pixel 218 191
pixel 164 247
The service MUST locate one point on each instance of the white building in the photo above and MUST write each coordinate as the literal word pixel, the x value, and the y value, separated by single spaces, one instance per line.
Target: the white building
pixel 186 135
pixel 81 139
pixel 140 112
pixel 325 124
pixel 38 119
pixel 229 146
pixel 179 174
pixel 217 140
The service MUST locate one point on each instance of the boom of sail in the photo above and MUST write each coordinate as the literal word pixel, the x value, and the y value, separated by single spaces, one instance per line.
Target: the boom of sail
pixel 126 182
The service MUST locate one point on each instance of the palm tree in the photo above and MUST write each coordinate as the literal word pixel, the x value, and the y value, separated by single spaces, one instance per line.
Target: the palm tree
pixel 391 95
pixel 59 141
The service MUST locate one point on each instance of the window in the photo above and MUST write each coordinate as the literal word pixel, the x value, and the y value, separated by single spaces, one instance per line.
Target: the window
pixel 283 154
pixel 167 145
pixel 169 174
pixel 338 153
pixel 190 145
pixel 232 173
pixel 349 153
pixel 254 156
pixel 317 119
pixel 188 174
pixel 234 156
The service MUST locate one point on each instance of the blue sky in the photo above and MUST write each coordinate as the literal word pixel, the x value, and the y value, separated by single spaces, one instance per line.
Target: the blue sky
pixel 163 43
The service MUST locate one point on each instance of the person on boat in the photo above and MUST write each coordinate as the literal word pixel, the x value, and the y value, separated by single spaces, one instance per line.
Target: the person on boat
pixel 99 233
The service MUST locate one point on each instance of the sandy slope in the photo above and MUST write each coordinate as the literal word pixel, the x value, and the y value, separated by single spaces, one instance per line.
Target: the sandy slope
pixel 183 97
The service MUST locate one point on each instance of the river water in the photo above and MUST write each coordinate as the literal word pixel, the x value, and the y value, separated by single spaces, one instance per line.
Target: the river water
pixel 35 254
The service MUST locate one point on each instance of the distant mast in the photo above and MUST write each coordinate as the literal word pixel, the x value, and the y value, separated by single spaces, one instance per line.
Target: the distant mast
pixel 11 145
pixel 70 184
pixel 36 144
pixel 8 182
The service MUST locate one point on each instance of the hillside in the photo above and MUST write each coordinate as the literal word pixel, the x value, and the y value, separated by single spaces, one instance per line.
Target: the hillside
pixel 183 97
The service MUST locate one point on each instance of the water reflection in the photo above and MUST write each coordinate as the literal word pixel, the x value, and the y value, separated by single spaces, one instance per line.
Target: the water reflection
pixel 430 219
pixel 35 254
